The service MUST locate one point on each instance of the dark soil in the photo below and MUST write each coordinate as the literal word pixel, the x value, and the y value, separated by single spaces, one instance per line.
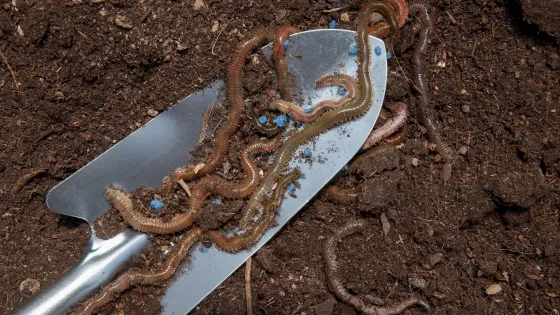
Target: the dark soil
pixel 84 83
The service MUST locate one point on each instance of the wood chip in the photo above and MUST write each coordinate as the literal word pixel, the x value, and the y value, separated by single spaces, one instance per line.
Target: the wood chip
pixel 198 167
pixel 494 289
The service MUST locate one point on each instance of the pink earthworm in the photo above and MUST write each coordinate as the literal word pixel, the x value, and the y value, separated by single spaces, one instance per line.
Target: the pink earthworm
pixel 390 127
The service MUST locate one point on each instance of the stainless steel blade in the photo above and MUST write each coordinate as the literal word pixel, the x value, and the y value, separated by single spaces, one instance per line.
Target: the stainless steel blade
pixel 320 52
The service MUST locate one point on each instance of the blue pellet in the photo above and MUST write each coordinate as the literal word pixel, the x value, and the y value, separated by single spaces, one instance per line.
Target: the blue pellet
pixel 286 42
pixel 341 91
pixel 263 119
pixel 389 55
pixel 203 249
pixel 291 187
pixel 307 152
pixel 345 167
pixel 280 121
pixel 264 138
pixel 308 109
pixel 353 49
pixel 377 50
pixel 156 204
pixel 332 24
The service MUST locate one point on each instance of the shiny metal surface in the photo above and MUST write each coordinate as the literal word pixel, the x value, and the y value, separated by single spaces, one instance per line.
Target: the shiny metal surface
pixel 322 52
pixel 147 155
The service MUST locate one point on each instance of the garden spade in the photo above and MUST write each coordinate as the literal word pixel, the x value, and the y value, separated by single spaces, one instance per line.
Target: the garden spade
pixel 151 152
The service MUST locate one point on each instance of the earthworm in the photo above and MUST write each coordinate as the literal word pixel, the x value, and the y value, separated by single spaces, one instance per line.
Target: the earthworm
pixel 235 113
pixel 390 25
pixel 340 114
pixel 419 81
pixel 134 277
pixel 279 56
pixel 333 79
pixel 390 127
pixel 337 287
pixel 398 137
pixel 383 28
pixel 208 184
pixel 341 194
pixel 264 129
pixel 239 242
pixel 22 181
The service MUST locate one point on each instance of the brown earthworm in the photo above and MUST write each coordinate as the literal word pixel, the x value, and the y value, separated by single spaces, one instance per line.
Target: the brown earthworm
pixel 208 184
pixel 390 127
pixel 22 181
pixel 279 56
pixel 337 287
pixel 235 113
pixel 383 28
pixel 333 79
pixel 419 82
pixel 239 242
pixel 334 192
pixel 134 277
pixel 390 25
pixel 329 119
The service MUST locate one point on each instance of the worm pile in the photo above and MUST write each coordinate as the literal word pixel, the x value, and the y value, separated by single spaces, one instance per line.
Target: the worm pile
pixel 266 193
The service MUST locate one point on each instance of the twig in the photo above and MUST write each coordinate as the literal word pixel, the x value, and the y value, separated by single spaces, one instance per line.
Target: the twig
pixel 332 10
pixel 185 187
pixel 220 33
pixel 10 68
pixel 248 287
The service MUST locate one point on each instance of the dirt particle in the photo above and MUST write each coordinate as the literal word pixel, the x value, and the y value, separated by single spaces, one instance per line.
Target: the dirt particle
pixel 436 259
pixel 494 289
pixel 463 150
pixel 385 223
pixel 326 307
pixel 415 162
pixel 152 112
pixel 198 4
pixel 549 250
pixel 29 285
pixel 344 17
pixel 122 21
pixel 417 282
pixel 465 108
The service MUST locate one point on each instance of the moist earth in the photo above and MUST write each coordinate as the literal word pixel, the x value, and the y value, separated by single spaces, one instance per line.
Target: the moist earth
pixel 78 76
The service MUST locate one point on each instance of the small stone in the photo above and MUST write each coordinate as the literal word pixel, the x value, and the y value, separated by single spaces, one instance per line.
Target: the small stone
pixel 152 112
pixel 282 293
pixel 441 64
pixel 122 21
pixel 255 60
pixel 418 283
pixel 385 223
pixel 164 248
pixel 465 108
pixel 415 162
pixel 463 92
pixel 517 74
pixel 29 285
pixel 463 150
pixel 181 47
pixel 549 250
pixel 436 259
pixel 215 26
pixel 344 17
pixel 494 289
pixel 198 4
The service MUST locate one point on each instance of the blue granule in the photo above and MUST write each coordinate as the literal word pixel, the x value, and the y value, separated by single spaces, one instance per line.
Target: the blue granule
pixel 280 121
pixel 156 204
pixel 353 49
